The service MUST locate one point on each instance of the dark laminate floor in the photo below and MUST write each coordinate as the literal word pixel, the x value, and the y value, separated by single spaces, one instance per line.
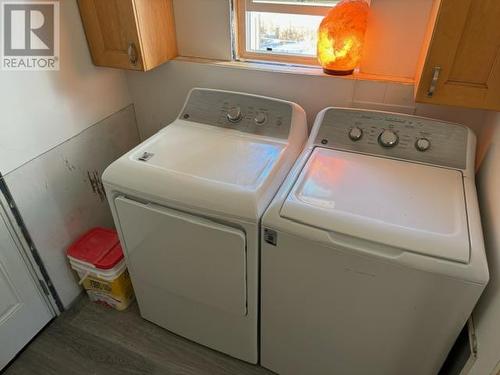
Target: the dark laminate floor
pixel 92 339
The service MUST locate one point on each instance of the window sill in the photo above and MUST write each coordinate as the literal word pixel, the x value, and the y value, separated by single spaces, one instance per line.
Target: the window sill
pixel 295 69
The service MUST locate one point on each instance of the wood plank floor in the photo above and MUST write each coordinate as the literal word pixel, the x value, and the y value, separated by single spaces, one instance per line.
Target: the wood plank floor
pixel 93 339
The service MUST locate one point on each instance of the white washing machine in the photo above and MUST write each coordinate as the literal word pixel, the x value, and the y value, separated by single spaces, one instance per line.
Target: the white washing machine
pixel 372 254
pixel 187 204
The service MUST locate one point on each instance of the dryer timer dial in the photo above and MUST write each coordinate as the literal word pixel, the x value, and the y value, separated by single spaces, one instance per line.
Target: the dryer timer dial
pixel 388 138
pixel 234 114
pixel 355 134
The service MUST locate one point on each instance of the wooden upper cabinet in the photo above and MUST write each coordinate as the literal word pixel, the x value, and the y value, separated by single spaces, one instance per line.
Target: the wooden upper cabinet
pixel 461 61
pixel 129 34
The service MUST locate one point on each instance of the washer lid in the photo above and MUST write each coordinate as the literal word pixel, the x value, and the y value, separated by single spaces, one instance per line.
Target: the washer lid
pixel 205 167
pixel 415 207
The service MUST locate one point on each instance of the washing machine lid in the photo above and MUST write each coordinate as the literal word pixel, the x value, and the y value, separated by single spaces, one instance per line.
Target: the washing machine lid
pixel 204 167
pixel 411 206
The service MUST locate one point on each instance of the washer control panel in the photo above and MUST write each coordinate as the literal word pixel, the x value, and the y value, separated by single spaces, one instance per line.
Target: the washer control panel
pixel 394 135
pixel 246 113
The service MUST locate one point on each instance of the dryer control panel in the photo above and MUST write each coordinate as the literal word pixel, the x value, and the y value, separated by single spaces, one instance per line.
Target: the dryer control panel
pixel 394 135
pixel 246 113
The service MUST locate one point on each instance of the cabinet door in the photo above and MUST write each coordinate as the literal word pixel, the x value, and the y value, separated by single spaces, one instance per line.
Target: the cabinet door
pixel 156 23
pixel 463 55
pixel 112 33
pixel 23 312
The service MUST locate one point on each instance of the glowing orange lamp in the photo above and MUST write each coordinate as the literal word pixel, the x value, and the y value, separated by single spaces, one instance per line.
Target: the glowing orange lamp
pixel 341 35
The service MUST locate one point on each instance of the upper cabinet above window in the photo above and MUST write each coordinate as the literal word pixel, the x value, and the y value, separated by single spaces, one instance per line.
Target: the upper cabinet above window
pixel 129 34
pixel 461 60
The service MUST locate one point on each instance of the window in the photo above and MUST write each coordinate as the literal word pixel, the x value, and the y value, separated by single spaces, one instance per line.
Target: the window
pixel 280 30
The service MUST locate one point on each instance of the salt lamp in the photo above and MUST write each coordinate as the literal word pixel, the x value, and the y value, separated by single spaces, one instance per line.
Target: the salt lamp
pixel 341 35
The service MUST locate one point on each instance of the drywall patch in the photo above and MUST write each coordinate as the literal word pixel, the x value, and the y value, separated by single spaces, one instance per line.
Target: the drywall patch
pixel 57 199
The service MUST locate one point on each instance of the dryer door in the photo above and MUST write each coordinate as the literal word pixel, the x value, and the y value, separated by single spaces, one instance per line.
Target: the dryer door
pixel 189 256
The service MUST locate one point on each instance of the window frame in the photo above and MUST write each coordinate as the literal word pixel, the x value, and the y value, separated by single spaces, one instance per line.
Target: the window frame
pixel 244 6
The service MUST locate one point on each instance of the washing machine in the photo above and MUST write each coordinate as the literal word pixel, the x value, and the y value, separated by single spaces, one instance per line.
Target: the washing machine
pixel 373 256
pixel 187 205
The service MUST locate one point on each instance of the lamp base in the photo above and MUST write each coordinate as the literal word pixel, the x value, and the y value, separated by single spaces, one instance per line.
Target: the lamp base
pixel 338 72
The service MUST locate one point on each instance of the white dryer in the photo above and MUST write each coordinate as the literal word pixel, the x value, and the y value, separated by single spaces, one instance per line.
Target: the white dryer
pixel 372 255
pixel 187 204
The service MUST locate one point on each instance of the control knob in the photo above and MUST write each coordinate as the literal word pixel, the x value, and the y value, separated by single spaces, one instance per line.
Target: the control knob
pixel 260 118
pixel 355 134
pixel 388 138
pixel 234 114
pixel 422 144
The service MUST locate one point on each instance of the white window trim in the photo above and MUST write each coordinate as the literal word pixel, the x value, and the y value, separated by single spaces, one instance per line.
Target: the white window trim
pixel 313 10
pixel 244 6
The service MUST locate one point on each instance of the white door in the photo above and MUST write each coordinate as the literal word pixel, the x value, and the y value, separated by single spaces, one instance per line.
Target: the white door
pixel 23 311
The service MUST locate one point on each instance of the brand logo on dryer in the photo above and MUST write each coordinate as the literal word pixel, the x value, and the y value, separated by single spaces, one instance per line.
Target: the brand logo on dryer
pixel 146 156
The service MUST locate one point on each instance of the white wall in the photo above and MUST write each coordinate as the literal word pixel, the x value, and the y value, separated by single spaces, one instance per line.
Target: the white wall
pixel 396 29
pixel 487 313
pixel 158 95
pixel 39 110
pixel 59 202
pixel 203 28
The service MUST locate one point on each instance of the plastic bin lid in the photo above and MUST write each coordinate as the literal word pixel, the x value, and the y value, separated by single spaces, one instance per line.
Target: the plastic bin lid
pixel 99 247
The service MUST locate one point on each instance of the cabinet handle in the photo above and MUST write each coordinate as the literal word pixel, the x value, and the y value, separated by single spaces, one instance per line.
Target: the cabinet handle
pixel 435 78
pixel 132 53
